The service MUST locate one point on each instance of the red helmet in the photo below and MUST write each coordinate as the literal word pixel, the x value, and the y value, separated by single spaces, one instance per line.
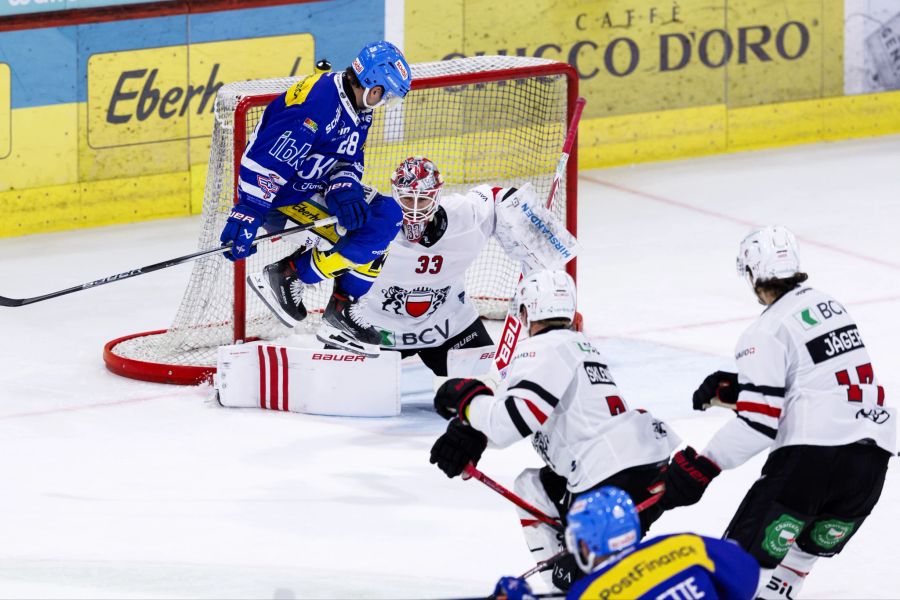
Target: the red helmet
pixel 416 185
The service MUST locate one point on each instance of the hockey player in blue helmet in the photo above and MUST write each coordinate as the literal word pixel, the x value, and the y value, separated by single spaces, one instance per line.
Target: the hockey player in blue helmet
pixel 304 161
pixel 602 532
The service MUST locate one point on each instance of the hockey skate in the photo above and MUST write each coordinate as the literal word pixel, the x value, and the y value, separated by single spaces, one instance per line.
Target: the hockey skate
pixel 344 327
pixel 281 290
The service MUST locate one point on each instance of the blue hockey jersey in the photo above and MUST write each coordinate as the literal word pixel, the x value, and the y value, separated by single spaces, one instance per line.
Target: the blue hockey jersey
pixel 673 567
pixel 304 135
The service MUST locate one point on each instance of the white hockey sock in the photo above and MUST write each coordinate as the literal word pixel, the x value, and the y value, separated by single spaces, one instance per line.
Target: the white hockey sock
pixel 785 581
pixel 542 540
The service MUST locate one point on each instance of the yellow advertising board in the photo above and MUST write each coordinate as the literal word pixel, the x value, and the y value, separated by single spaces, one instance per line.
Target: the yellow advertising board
pixel 637 56
pixel 168 94
pixel 5 112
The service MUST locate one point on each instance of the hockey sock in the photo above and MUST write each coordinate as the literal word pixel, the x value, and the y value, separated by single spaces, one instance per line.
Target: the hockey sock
pixel 785 581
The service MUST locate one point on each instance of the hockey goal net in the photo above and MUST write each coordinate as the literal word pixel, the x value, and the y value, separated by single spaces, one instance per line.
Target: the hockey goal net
pixel 499 120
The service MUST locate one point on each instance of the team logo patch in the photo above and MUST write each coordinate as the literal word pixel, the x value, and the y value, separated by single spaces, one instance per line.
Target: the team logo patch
pixel 780 535
pixel 357 66
pixel 388 338
pixel 831 532
pixel 402 69
pixel 415 303
pixel 310 124
pixel 267 184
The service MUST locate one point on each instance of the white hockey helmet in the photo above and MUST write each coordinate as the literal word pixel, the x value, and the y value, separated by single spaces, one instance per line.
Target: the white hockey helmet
pixel 768 253
pixel 547 294
pixel 416 186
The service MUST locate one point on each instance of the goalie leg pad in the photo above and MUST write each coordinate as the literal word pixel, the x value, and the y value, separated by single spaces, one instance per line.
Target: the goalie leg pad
pixel 309 381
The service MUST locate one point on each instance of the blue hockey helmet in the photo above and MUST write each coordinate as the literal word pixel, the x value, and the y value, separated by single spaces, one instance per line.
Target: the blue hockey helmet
pixel 601 522
pixel 382 63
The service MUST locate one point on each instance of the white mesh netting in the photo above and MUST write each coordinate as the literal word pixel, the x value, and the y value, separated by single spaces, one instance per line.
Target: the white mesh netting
pixel 502 132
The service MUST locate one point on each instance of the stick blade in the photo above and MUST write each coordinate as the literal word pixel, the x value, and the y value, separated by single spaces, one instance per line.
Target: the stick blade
pixel 11 302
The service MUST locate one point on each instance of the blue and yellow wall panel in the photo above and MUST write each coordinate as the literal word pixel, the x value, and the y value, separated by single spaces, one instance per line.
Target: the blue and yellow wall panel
pixel 110 122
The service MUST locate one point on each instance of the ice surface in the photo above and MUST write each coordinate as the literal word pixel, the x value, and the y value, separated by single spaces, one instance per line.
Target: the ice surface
pixel 117 488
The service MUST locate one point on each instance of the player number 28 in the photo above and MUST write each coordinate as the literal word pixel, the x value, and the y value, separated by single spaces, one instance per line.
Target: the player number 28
pixel 348 146
pixel 435 262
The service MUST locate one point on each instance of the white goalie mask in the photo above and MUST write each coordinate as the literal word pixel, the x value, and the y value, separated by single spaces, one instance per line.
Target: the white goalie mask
pixel 416 186
pixel 768 253
pixel 547 294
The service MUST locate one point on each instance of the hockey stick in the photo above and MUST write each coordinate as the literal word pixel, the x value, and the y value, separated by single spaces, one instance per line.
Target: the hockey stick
pixel 472 472
pixel 14 302
pixel 509 336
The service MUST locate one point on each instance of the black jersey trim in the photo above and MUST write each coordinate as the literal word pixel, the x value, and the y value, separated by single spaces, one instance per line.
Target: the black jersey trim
pixel 768 390
pixel 516 417
pixel 533 387
pixel 769 432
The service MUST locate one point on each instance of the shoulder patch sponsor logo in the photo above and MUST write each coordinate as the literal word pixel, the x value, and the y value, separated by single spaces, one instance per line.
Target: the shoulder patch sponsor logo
pixel 745 352
pixel 310 124
pixel 587 347
pixel 597 373
pixel 834 343
pixel 806 318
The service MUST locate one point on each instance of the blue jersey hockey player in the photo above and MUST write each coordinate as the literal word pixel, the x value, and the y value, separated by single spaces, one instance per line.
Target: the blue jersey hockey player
pixel 602 532
pixel 304 162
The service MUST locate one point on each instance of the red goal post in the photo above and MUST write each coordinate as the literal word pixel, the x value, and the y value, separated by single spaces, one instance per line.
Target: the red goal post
pixel 491 119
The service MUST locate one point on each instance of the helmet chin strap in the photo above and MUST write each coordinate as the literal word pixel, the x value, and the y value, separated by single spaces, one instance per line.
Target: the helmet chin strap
pixel 365 99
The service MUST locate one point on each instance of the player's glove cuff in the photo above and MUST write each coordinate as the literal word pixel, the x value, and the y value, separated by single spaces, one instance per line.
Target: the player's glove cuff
pixel 688 476
pixel 454 396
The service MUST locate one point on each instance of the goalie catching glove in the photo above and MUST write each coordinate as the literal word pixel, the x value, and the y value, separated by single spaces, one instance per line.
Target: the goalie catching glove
pixel 457 447
pixel 452 398
pixel 688 476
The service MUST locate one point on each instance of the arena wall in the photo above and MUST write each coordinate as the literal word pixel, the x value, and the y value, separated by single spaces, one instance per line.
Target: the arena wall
pixel 106 105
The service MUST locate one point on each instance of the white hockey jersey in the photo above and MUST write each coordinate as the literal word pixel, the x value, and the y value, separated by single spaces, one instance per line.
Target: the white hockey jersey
pixel 559 391
pixel 804 377
pixel 419 299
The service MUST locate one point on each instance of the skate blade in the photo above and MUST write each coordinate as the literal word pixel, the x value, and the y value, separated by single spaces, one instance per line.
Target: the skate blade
pixel 258 284
pixel 335 337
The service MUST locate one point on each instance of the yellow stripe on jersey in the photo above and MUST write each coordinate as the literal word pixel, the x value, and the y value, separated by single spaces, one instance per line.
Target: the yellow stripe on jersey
pixel 641 571
pixel 297 93
pixel 330 265
pixel 371 270
pixel 307 212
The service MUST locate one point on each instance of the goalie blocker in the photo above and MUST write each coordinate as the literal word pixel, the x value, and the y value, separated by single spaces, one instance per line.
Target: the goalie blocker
pixel 309 381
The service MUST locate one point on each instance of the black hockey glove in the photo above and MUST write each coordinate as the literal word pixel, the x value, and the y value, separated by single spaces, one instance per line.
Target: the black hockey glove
pixel 451 399
pixel 721 385
pixel 566 572
pixel 687 478
pixel 457 447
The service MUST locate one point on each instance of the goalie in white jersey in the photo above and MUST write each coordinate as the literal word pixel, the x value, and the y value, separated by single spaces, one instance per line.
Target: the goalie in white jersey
pixel 806 389
pixel 559 391
pixel 419 302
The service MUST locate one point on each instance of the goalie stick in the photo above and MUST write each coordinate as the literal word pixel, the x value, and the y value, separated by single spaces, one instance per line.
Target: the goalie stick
pixel 509 336
pixel 14 302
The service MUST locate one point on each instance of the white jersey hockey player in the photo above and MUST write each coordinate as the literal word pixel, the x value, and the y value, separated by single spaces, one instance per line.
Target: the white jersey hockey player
pixel 559 391
pixel 805 388
pixel 419 302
